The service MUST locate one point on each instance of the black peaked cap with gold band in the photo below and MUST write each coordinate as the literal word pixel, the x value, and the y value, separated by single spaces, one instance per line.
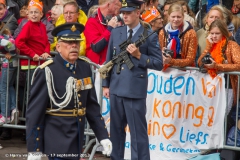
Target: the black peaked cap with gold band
pixel 131 5
pixel 68 32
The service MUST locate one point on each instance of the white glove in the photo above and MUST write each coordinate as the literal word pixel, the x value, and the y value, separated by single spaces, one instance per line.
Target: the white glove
pixel 34 156
pixel 107 146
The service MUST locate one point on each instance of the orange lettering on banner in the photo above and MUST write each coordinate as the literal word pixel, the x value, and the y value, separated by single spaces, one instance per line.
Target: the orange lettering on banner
pixel 158 127
pixel 179 109
pixel 210 117
pixel 152 127
pixel 149 127
pixel 204 87
pixel 170 110
pixel 220 81
pixel 200 117
pixel 155 110
pixel 214 92
pixel 187 110
pixel 213 89
pixel 167 128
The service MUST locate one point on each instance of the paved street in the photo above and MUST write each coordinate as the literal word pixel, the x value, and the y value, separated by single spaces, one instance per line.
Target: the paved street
pixel 15 149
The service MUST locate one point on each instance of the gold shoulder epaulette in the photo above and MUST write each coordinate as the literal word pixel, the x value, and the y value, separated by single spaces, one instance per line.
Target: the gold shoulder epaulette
pixel 46 64
pixel 84 59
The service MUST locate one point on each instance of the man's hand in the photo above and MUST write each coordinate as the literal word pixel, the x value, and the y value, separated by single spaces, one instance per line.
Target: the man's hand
pixel 113 22
pixel 134 51
pixel 45 56
pixel 36 57
pixel 106 92
pixel 34 156
pixel 8 56
pixel 107 146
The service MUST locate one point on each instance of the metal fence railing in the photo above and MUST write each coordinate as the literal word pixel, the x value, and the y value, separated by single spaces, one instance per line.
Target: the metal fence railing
pixel 88 132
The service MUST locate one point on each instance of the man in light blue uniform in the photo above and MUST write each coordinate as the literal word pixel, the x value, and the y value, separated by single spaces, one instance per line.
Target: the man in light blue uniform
pixel 127 88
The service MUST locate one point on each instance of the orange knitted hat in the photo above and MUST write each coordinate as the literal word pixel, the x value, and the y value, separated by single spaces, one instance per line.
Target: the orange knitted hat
pixel 36 3
pixel 150 14
pixel 3 2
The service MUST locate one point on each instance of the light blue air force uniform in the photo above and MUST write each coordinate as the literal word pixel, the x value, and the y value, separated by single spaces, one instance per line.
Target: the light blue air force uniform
pixel 128 91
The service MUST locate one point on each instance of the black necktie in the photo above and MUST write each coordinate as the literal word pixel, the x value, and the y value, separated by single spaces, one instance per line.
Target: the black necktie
pixel 130 31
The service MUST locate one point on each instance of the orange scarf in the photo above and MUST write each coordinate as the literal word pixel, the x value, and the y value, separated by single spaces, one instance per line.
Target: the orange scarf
pixel 217 55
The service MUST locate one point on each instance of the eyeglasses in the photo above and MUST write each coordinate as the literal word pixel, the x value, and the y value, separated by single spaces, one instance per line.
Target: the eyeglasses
pixel 33 12
pixel 158 18
pixel 69 13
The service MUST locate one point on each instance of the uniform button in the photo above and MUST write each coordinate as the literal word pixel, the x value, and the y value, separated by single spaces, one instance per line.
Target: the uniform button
pixel 80 120
pixel 73 72
pixel 37 149
pixel 79 95
pixel 38 128
pixel 122 68
pixel 37 139
pixel 101 118
pixel 105 126
pixel 80 103
pixel 141 75
pixel 148 60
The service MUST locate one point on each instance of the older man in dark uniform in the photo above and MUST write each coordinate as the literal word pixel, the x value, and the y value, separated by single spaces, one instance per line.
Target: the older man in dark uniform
pixel 62 95
pixel 127 88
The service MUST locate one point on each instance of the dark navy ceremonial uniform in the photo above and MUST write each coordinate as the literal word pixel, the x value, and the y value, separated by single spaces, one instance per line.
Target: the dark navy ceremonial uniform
pixel 56 134
pixel 128 91
pixel 60 133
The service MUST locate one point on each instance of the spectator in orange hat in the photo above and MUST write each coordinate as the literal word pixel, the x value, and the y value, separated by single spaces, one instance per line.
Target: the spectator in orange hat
pixel 32 41
pixel 153 17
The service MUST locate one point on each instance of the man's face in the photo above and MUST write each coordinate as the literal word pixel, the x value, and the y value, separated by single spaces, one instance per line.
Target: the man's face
pixel 69 50
pixel 70 13
pixel 3 10
pixel 157 23
pixel 114 7
pixel 130 17
pixel 34 14
pixel 54 16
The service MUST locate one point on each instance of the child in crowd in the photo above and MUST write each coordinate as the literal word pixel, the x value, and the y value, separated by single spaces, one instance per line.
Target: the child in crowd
pixel 23 13
pixel 7 78
pixel 32 41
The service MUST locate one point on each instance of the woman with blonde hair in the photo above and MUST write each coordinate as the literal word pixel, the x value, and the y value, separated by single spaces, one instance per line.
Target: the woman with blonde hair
pixel 179 38
pixel 216 12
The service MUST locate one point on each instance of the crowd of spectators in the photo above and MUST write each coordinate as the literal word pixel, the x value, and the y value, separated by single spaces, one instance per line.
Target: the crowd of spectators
pixel 28 27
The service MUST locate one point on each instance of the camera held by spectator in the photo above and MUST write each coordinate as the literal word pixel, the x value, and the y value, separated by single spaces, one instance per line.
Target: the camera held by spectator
pixel 207 59
pixel 168 52
pixel 119 18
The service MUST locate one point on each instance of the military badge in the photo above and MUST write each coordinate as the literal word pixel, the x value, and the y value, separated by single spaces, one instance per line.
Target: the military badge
pixel 124 3
pixel 73 28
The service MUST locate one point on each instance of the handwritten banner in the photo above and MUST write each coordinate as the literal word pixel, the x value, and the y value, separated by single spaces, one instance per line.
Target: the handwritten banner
pixel 185 113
